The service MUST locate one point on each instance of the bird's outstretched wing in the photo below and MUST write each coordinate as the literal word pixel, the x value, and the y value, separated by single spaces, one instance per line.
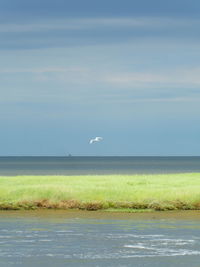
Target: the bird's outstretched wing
pixel 98 138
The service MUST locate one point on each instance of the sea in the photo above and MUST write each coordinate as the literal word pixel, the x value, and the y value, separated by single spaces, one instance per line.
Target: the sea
pixel 99 239
pixel 74 165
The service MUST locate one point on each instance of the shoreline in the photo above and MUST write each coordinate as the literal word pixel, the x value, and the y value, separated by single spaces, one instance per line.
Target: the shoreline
pixel 128 207
pixel 69 214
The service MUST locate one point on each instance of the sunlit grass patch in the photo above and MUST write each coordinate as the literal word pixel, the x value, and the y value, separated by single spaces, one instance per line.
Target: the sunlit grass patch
pixel 96 192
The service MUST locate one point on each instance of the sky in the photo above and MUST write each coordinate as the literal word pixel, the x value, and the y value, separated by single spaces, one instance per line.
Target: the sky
pixel 128 71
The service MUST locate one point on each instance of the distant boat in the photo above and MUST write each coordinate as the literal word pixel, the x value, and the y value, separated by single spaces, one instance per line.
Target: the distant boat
pixel 69 155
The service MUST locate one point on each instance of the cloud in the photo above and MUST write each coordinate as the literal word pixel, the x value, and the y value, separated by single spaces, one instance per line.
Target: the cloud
pixel 104 22
pixel 177 77
pixel 92 31
pixel 172 99
pixel 76 84
pixel 129 79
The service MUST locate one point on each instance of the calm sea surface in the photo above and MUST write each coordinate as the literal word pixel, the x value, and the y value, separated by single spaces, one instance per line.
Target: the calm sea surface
pixel 78 239
pixel 97 165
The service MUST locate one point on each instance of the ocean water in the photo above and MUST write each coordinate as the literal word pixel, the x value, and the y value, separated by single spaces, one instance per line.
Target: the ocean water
pixel 59 239
pixel 97 165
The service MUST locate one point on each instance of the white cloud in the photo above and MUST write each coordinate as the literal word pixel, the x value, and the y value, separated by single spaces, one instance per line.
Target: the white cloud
pixel 178 77
pixel 106 22
pixel 134 77
pixel 76 85
pixel 157 100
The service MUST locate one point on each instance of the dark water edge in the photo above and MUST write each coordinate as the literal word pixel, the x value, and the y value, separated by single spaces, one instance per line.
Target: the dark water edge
pixel 11 166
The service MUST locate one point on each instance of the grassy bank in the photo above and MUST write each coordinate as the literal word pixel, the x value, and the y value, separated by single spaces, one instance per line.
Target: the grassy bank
pixel 111 192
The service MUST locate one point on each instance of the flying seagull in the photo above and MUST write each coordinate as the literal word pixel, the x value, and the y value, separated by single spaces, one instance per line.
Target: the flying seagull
pixel 96 139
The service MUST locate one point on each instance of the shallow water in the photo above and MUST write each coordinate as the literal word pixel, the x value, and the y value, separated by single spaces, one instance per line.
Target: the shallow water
pixel 96 165
pixel 99 239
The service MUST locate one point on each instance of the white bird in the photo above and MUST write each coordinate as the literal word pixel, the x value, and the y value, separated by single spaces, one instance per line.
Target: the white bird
pixel 96 139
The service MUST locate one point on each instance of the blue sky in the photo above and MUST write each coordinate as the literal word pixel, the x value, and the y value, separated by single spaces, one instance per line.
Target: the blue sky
pixel 125 70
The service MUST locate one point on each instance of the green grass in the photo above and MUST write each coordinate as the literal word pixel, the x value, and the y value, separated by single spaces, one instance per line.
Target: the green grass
pixel 111 192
